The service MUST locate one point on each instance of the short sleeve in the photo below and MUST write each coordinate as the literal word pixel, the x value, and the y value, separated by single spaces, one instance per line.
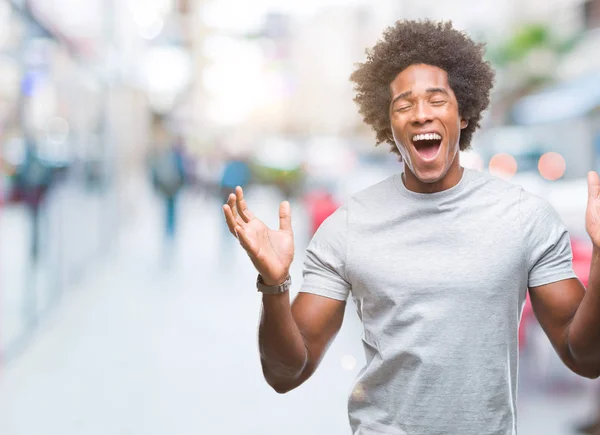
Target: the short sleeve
pixel 324 265
pixel 547 242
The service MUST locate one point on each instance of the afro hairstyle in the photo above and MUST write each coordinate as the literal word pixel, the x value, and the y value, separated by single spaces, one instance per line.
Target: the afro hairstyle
pixel 438 44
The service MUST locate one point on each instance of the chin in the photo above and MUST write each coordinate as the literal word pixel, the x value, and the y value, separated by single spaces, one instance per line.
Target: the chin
pixel 430 178
pixel 430 175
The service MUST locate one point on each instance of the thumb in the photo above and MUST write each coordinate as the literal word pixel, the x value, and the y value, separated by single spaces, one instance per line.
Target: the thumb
pixel 285 216
pixel 593 185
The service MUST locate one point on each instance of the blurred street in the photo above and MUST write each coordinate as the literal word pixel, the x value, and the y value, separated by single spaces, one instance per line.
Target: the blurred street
pixel 144 347
pixel 126 307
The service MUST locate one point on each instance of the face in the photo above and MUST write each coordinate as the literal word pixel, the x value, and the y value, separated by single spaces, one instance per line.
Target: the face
pixel 426 127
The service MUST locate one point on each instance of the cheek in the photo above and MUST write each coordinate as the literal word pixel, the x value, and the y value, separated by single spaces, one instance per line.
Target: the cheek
pixel 454 128
pixel 398 135
pixel 400 146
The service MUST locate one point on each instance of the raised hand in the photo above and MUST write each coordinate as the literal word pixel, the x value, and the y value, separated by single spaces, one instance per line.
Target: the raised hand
pixel 592 215
pixel 271 251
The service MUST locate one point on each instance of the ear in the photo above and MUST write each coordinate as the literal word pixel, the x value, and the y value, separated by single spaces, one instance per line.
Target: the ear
pixel 463 123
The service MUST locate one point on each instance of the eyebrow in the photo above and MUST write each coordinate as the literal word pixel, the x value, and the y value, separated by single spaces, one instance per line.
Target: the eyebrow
pixel 408 93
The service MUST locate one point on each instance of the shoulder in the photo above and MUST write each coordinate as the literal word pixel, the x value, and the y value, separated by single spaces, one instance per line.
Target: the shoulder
pixel 335 223
pixel 539 219
pixel 483 181
pixel 374 199
pixel 367 200
pixel 377 190
pixel 531 204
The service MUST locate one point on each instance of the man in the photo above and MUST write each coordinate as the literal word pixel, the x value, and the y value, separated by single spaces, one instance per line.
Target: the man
pixel 167 168
pixel 438 258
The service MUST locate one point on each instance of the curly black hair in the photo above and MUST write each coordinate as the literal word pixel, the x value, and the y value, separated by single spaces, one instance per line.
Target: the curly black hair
pixel 423 42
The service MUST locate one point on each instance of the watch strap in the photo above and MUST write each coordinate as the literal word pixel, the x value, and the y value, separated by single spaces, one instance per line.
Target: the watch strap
pixel 273 289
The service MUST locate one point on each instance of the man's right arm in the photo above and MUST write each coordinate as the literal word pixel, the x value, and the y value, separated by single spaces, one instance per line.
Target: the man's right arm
pixel 294 338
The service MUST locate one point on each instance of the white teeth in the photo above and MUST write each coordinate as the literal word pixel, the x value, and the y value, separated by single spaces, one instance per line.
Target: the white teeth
pixel 427 136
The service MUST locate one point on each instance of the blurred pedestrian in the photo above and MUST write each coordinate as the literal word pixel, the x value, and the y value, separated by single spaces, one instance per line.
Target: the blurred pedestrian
pixel 437 258
pixel 32 180
pixel 168 176
pixel 236 172
pixel 320 204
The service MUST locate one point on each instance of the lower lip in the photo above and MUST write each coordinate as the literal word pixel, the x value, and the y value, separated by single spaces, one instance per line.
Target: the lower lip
pixel 429 158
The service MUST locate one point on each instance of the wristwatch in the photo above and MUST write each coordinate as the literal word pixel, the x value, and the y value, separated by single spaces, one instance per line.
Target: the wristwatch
pixel 273 289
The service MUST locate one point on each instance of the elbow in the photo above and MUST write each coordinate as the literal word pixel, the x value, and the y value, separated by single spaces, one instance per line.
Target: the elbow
pixel 283 386
pixel 583 364
pixel 283 389
pixel 589 372
pixel 283 382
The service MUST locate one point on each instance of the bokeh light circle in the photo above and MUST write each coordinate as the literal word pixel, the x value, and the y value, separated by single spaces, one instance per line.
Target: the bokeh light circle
pixel 552 166
pixel 503 165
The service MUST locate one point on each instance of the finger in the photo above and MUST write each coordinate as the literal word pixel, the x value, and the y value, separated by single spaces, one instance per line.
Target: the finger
pixel 593 185
pixel 231 204
pixel 240 222
pixel 244 240
pixel 285 216
pixel 242 208
pixel 231 224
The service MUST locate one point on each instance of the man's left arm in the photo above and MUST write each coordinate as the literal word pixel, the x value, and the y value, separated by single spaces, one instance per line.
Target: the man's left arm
pixel 570 314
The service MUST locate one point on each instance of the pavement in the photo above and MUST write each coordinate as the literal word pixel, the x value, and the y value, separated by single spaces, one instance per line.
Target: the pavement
pixel 161 339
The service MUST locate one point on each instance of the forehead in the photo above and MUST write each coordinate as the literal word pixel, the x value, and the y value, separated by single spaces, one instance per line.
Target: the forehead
pixel 419 77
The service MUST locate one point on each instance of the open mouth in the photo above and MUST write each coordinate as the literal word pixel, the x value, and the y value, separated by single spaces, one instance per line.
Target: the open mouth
pixel 427 145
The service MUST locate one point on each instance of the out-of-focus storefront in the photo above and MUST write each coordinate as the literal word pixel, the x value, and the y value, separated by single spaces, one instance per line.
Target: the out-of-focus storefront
pixel 563 122
pixel 56 194
pixel 565 118
pixel 79 91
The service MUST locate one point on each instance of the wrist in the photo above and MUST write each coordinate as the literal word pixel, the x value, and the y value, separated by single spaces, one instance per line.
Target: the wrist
pixel 273 286
pixel 271 281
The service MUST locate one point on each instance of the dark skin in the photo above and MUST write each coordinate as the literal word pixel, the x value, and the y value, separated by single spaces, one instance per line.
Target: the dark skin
pixel 570 314
pixel 564 317
pixel 293 337
pixel 423 102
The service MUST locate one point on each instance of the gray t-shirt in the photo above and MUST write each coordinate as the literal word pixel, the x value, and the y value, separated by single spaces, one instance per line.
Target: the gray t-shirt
pixel 439 281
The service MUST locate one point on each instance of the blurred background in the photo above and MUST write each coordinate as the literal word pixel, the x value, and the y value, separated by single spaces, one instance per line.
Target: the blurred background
pixel 125 305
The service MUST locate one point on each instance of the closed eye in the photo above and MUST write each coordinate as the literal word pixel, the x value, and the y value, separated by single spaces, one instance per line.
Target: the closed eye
pixel 438 102
pixel 403 109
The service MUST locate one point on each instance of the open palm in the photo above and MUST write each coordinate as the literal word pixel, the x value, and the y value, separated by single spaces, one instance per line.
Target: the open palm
pixel 271 251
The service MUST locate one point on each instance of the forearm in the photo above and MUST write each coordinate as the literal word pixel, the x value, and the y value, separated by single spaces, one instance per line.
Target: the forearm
pixel 584 330
pixel 282 349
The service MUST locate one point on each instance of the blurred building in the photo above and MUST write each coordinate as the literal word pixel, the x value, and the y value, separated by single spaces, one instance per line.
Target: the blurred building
pixel 561 115
pixel 232 77
pixel 78 91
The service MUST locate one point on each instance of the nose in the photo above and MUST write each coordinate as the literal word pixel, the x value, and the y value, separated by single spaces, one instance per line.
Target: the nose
pixel 422 114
